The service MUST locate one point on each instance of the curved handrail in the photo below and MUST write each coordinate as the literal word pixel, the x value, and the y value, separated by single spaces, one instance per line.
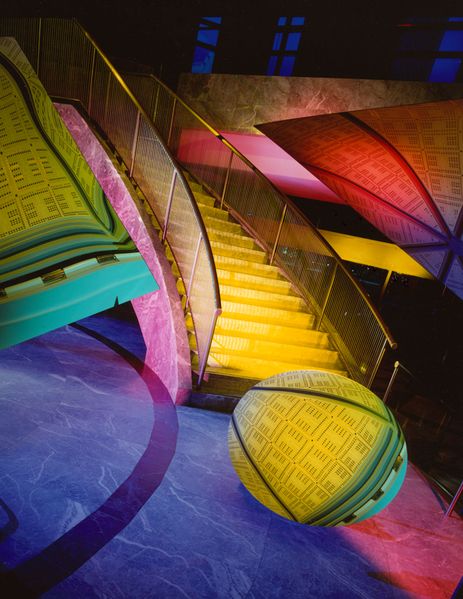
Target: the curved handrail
pixel 71 64
pixel 243 158
pixel 175 163
pixel 342 307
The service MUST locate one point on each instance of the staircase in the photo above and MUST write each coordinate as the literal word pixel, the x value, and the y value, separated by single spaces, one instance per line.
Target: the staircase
pixel 265 326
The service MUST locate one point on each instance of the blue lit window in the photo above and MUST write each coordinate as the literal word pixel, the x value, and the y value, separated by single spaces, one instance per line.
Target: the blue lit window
pixel 206 43
pixel 292 41
pixel 285 45
pixel 452 41
pixel 431 49
pixel 277 41
pixel 445 70
pixel 287 65
pixel 272 65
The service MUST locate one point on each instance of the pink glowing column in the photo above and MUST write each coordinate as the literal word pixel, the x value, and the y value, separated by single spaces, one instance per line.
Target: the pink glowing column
pixel 159 313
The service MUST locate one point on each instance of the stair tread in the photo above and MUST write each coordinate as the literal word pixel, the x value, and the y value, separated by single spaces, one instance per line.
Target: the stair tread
pixel 240 279
pixel 233 239
pixel 249 346
pixel 264 314
pixel 263 369
pixel 223 249
pixel 239 265
pixel 249 295
pixel 271 332
pixel 218 224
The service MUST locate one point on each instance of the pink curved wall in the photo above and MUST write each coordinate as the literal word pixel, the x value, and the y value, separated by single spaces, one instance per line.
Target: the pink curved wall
pixel 159 313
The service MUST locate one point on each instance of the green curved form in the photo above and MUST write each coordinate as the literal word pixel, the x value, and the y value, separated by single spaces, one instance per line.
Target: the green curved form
pixel 64 253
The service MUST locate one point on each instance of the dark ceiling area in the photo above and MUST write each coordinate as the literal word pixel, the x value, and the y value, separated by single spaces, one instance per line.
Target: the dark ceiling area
pixel 339 39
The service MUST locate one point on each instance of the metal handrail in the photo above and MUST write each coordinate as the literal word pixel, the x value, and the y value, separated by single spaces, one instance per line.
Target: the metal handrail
pixel 398 366
pixel 32 32
pixel 286 203
pixel 175 164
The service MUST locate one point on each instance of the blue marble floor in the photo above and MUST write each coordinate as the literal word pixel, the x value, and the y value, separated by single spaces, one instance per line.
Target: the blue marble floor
pixel 108 491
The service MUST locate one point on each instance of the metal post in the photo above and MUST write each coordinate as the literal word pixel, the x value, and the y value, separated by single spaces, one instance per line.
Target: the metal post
pixel 378 362
pixel 155 109
pixel 193 268
pixel 391 381
pixel 227 177
pixel 454 500
pixel 106 102
pixel 384 287
pixel 169 204
pixel 203 363
pixel 171 124
pixel 327 296
pixel 277 238
pixel 90 87
pixel 39 47
pixel 134 143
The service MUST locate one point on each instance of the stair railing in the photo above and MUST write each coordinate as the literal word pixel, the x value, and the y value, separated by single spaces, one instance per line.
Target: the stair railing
pixel 425 417
pixel 292 242
pixel 71 65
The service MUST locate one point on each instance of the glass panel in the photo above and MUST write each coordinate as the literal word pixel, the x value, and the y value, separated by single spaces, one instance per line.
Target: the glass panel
pixel 208 36
pixel 282 21
pixel 277 42
pixel 272 63
pixel 287 65
pixel 203 60
pixel 297 20
pixel 201 152
pixel 292 42
pixel 452 41
pixel 445 70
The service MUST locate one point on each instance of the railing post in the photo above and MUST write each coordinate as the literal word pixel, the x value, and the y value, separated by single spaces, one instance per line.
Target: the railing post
pixel 203 362
pixel 227 177
pixel 454 501
pixel 169 204
pixel 39 46
pixel 171 124
pixel 134 143
pixel 378 362
pixel 327 296
pixel 277 238
pixel 106 102
pixel 391 381
pixel 193 268
pixel 155 108
pixel 92 77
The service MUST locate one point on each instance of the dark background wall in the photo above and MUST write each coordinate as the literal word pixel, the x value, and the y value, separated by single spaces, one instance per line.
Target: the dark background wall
pixel 355 39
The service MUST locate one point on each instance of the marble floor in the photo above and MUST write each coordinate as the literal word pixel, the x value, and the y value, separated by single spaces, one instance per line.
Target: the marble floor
pixel 108 491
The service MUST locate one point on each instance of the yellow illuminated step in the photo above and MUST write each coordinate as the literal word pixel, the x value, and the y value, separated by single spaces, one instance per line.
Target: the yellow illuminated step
pixel 223 249
pixel 235 264
pixel 261 369
pixel 243 295
pixel 213 212
pixel 203 198
pixel 241 279
pixel 233 240
pixel 269 350
pixel 271 332
pixel 218 224
pixel 266 314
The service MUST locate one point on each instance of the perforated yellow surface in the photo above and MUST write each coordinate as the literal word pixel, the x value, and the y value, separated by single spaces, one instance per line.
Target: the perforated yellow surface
pixel 317 447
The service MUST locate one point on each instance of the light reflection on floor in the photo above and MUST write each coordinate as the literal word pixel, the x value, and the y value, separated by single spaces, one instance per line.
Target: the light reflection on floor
pixel 77 418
